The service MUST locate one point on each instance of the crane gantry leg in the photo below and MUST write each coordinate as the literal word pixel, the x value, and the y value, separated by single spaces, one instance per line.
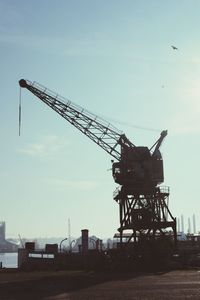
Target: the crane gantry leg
pixel 145 217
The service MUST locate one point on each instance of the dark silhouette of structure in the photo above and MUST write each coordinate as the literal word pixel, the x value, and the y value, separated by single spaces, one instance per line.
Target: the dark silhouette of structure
pixel 6 246
pixel 143 204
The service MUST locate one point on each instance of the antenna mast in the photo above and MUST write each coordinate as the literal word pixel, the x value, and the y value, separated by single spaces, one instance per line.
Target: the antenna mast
pixel 69 232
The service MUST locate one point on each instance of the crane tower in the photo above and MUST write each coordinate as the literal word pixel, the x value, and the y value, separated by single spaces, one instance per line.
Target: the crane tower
pixel 138 171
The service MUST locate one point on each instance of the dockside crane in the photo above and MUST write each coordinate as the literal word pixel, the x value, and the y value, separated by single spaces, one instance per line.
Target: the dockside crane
pixel 143 203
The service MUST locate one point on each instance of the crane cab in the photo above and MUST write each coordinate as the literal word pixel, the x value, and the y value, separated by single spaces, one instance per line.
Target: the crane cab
pixel 139 168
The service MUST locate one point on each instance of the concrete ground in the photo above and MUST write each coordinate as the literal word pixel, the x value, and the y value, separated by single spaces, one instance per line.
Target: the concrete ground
pixel 75 285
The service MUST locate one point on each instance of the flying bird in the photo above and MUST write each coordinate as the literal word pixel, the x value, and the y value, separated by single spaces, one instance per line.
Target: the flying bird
pixel 174 48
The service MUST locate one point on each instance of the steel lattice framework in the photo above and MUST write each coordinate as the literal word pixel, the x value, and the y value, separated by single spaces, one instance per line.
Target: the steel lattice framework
pixel 98 130
pixel 144 214
pixel 143 205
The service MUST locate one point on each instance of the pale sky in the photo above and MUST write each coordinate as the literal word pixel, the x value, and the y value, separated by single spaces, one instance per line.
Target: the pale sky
pixel 115 59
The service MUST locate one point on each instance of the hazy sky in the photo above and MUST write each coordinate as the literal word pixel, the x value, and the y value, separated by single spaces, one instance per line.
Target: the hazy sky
pixel 115 59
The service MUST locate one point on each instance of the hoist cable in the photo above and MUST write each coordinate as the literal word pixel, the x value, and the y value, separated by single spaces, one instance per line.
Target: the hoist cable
pixel 20 111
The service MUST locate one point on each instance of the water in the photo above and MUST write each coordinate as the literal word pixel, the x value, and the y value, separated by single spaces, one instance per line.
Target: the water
pixel 9 260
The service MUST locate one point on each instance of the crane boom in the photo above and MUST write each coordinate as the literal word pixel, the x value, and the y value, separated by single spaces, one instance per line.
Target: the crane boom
pixel 102 133
pixel 138 171
pixel 135 166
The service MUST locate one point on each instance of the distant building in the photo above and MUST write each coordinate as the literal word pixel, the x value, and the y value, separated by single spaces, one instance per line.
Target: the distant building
pixel 2 232
pixel 94 243
pixel 6 246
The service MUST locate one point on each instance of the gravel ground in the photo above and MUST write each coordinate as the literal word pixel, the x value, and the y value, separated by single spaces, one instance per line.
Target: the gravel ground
pixel 75 285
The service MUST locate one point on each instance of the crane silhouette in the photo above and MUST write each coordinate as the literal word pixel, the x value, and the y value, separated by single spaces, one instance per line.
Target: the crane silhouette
pixel 138 170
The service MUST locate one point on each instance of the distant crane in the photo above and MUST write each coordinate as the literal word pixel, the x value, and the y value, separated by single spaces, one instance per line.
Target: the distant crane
pixel 143 203
pixel 21 241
